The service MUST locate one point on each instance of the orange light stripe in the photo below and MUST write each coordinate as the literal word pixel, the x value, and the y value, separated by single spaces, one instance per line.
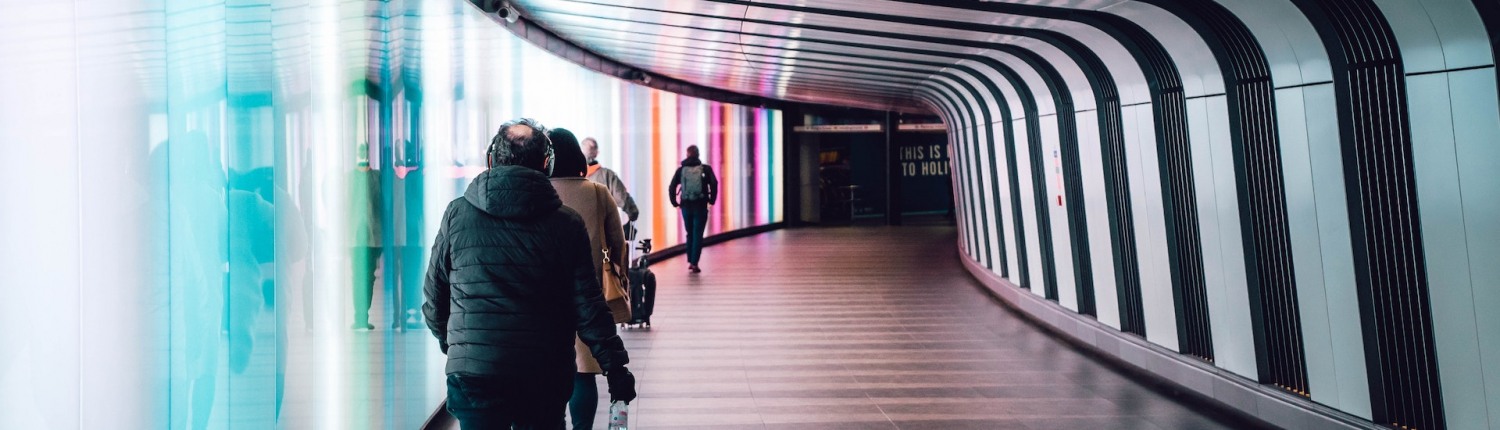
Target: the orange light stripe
pixel 726 191
pixel 658 195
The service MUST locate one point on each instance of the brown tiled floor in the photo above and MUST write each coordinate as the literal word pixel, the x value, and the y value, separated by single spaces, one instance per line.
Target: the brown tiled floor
pixel 864 328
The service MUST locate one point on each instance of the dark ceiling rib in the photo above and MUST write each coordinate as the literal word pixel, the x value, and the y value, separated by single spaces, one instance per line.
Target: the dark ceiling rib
pixel 903 103
pixel 881 71
pixel 830 79
pixel 715 54
pixel 876 48
pixel 704 29
pixel 546 39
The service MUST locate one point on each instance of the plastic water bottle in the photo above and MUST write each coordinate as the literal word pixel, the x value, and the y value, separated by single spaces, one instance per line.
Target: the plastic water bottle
pixel 619 416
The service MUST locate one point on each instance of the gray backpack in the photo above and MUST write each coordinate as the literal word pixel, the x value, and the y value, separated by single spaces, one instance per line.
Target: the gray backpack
pixel 693 187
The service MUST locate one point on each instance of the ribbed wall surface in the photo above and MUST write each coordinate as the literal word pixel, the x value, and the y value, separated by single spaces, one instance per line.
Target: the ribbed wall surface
pixel 1223 134
pixel 1388 253
pixel 1261 193
pixel 1179 195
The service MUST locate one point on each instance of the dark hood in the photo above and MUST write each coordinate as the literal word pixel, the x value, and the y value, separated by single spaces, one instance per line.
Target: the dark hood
pixel 513 192
pixel 691 161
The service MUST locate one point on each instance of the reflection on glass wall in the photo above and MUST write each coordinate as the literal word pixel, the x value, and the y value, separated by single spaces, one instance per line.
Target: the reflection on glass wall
pixel 216 212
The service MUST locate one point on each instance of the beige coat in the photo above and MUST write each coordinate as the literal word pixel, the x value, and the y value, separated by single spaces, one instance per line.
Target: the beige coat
pixel 593 203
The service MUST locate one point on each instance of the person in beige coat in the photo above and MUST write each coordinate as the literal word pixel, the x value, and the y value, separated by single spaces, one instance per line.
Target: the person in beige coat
pixel 593 203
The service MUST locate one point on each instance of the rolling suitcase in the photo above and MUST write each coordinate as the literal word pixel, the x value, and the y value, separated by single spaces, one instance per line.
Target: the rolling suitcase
pixel 642 284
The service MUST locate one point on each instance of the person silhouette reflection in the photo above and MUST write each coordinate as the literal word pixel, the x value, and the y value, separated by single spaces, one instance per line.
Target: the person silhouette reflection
pixel 251 248
pixel 364 211
pixel 190 183
pixel 411 265
pixel 282 269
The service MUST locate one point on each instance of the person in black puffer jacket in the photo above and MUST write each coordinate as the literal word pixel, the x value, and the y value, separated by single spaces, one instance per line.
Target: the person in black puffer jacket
pixel 510 283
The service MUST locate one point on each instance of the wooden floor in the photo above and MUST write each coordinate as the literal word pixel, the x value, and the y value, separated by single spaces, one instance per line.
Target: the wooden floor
pixel 864 328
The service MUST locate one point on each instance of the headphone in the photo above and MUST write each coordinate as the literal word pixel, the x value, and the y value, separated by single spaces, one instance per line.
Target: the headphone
pixel 493 154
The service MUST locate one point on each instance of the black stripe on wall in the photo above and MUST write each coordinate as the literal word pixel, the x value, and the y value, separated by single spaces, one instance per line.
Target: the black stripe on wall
pixel 1067 123
pixel 1116 184
pixel 972 145
pixel 988 142
pixel 960 176
pixel 1489 12
pixel 977 221
pixel 965 182
pixel 1275 316
pixel 1179 197
pixel 1038 180
pixel 1009 140
pixel 1375 134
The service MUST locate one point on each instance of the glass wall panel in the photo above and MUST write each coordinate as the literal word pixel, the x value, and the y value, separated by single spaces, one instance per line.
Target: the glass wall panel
pixel 217 213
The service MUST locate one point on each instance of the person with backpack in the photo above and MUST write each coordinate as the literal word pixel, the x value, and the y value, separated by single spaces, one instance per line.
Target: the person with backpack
pixel 699 189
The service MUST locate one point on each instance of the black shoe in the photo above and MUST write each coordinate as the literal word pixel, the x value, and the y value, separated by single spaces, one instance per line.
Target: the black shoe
pixel 694 268
pixel 362 327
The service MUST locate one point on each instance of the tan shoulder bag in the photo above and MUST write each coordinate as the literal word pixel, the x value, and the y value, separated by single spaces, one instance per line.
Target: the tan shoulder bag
pixel 615 283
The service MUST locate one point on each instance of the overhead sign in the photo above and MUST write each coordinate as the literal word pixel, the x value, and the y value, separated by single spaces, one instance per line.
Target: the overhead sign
pixel 924 160
pixel 839 128
pixel 922 127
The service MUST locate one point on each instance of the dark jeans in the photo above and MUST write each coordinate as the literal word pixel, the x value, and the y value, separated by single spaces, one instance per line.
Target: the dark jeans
pixel 522 402
pixel 408 314
pixel 365 258
pixel 585 402
pixel 694 219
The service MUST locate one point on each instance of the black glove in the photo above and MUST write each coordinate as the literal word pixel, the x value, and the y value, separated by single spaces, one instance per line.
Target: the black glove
pixel 621 385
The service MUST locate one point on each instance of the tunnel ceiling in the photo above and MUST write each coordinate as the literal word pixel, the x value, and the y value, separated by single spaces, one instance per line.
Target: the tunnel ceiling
pixel 873 54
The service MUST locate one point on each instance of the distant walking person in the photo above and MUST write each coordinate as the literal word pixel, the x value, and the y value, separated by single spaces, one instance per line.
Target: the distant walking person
pixel 606 177
pixel 511 281
pixel 694 188
pixel 602 219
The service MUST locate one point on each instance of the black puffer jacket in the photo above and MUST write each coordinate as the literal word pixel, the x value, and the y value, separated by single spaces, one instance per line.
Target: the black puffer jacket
pixel 511 281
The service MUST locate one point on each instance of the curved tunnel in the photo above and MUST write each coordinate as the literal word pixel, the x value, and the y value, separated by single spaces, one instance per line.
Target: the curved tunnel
pixel 1295 193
